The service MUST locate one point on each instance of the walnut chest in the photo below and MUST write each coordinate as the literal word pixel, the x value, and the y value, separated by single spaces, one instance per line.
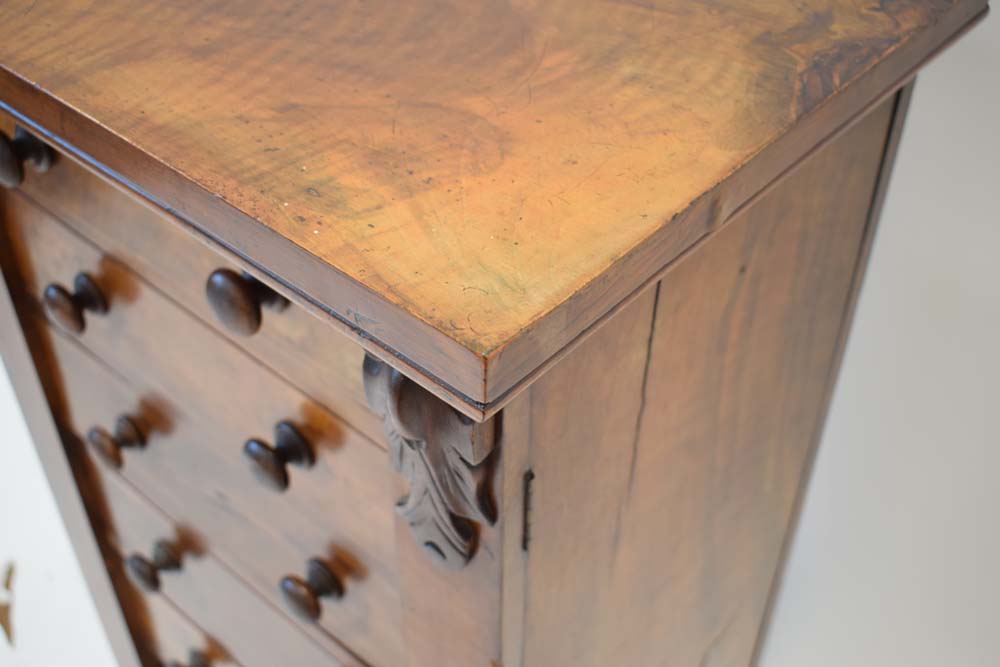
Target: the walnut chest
pixel 439 333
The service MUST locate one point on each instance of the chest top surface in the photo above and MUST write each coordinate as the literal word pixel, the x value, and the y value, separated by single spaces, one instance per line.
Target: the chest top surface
pixel 487 177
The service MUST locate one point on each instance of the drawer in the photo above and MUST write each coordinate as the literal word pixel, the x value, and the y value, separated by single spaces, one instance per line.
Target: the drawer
pixel 262 535
pixel 163 636
pixel 175 640
pixel 238 626
pixel 203 398
pixel 175 258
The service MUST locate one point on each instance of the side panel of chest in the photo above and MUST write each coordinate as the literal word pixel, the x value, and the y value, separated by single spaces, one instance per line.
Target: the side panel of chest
pixel 661 460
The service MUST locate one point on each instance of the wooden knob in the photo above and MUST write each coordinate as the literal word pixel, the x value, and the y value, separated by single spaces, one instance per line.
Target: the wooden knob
pixel 302 597
pixel 146 571
pixel 109 447
pixel 24 148
pixel 66 309
pixel 195 659
pixel 237 299
pixel 270 464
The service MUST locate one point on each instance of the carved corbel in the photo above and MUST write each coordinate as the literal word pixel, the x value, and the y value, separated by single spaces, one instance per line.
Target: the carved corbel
pixel 444 456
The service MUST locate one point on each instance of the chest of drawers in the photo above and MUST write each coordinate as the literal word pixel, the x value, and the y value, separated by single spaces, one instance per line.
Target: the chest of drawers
pixel 439 334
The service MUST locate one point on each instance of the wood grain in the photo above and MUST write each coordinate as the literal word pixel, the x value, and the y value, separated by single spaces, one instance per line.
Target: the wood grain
pixel 469 184
pixel 654 539
pixel 300 347
pixel 255 634
pixel 206 398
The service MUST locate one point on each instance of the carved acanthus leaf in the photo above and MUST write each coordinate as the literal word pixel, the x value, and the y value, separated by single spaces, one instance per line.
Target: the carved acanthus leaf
pixel 444 456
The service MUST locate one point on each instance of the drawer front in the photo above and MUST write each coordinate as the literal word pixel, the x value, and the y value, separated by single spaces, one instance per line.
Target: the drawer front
pixel 172 256
pixel 177 641
pixel 238 626
pixel 204 398
pixel 164 636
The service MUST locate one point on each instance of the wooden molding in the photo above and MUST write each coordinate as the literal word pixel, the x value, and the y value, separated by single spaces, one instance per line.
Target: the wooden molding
pixel 445 457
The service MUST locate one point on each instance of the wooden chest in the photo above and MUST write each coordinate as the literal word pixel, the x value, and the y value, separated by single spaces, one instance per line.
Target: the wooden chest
pixel 451 334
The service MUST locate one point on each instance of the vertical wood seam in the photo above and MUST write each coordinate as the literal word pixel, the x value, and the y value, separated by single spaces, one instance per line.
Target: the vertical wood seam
pixel 642 395
pixel 637 432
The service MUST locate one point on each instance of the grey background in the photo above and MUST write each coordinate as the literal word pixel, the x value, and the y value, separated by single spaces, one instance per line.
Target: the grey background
pixel 896 559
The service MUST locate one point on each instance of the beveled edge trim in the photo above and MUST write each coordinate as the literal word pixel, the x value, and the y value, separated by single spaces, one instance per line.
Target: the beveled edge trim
pixel 371 344
pixel 476 385
pixel 711 211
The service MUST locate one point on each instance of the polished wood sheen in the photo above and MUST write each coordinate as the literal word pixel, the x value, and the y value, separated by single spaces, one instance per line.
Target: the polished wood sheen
pixel 472 184
pixel 440 333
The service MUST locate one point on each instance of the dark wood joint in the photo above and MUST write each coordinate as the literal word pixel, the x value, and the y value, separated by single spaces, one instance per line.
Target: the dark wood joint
pixel 445 457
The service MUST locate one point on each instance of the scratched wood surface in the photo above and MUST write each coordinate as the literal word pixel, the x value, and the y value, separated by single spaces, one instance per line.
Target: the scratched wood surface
pixel 472 182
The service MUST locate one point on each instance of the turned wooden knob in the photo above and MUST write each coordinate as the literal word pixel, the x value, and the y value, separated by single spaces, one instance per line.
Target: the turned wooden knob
pixel 66 308
pixel 270 464
pixel 237 299
pixel 146 571
pixel 24 148
pixel 195 659
pixel 127 433
pixel 302 597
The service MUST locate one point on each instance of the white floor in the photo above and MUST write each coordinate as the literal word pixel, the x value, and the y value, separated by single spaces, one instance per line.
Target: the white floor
pixel 896 561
